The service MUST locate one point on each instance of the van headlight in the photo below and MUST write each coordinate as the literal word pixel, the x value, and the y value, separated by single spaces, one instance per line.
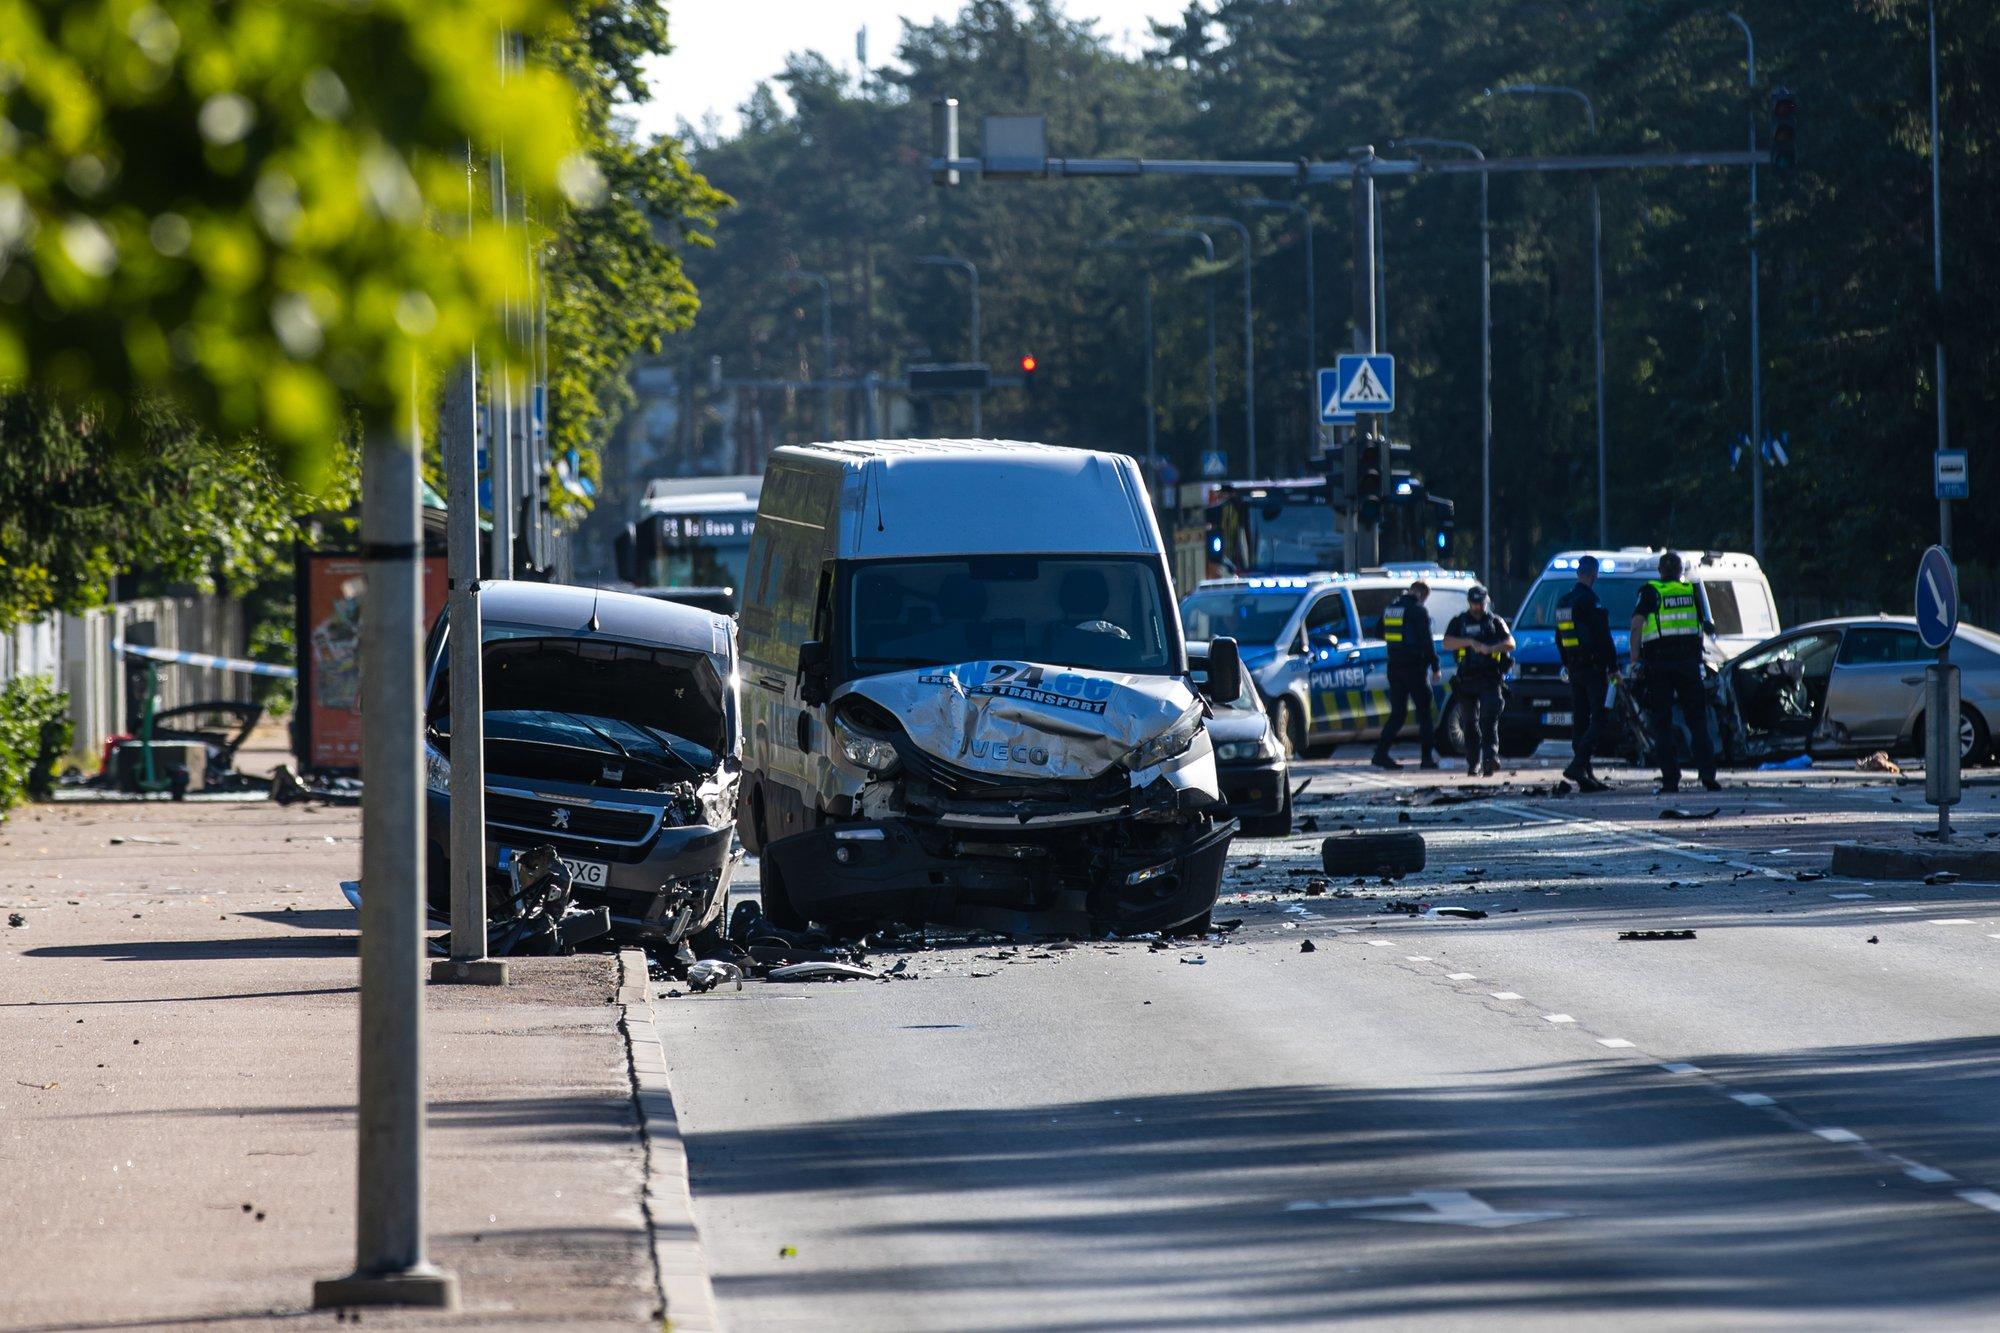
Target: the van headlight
pixel 1175 740
pixel 864 750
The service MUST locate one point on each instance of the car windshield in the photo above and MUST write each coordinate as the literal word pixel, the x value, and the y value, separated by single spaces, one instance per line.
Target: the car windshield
pixel 1619 596
pixel 1103 613
pixel 1247 615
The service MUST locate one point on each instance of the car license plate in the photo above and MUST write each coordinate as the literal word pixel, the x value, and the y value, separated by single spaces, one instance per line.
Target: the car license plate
pixel 1555 719
pixel 596 874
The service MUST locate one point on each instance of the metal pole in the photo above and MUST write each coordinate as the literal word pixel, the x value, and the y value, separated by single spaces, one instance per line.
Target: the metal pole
pixel 1369 535
pixel 1381 274
pixel 389 1262
pixel 500 406
pixel 1937 275
pixel 1756 329
pixel 1249 337
pixel 1485 347
pixel 1312 311
pixel 971 271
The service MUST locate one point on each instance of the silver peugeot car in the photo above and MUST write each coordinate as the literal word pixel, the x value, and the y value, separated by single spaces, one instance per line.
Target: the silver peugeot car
pixel 1853 686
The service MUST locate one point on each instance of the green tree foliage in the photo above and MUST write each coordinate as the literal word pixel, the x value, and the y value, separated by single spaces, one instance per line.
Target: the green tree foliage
pixel 613 273
pixel 231 202
pixel 835 183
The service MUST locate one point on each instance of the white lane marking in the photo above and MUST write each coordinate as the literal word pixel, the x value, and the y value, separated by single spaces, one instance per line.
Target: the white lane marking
pixel 1505 995
pixel 1616 1043
pixel 1467 976
pixel 1986 1199
pixel 1416 958
pixel 1993 937
pixel 1634 838
pixel 1378 944
pixel 1851 896
pixel 1449 1207
pixel 1928 1175
pixel 1677 1067
pixel 1895 909
pixel 1557 1018
pixel 1838 1135
pixel 1750 1098
pixel 1951 921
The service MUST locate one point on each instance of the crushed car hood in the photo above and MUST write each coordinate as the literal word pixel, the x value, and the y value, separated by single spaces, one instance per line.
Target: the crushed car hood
pixel 1024 719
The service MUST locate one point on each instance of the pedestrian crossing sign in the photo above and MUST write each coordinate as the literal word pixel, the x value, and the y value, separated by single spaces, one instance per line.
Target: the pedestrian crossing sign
pixel 1331 413
pixel 1367 383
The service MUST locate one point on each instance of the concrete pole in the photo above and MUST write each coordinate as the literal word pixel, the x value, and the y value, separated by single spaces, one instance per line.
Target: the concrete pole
pixel 389 1262
pixel 456 435
pixel 500 404
pixel 1249 336
pixel 1937 275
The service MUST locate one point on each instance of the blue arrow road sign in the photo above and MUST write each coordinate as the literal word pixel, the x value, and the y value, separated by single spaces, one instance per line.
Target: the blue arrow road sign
pixel 1368 383
pixel 1937 598
pixel 1330 411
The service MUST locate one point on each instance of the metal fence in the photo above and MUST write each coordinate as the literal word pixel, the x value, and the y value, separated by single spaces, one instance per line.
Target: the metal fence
pixel 76 652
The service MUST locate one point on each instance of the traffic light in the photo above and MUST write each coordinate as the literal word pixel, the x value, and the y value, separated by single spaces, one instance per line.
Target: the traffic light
pixel 1784 129
pixel 1373 480
pixel 1028 364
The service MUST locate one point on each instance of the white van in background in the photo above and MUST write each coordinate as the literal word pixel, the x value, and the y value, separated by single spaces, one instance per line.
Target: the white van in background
pixel 966 696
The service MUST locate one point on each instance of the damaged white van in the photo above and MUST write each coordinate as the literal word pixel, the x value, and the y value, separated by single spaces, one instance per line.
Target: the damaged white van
pixel 966 698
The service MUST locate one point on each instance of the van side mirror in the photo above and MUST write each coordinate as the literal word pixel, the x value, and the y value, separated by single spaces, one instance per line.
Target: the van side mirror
pixel 1225 671
pixel 815 683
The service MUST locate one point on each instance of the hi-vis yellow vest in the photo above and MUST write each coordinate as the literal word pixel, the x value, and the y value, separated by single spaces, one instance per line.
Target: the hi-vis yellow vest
pixel 1392 623
pixel 1677 615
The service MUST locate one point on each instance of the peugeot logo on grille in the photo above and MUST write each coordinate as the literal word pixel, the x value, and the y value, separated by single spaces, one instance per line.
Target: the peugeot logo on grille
pixel 559 817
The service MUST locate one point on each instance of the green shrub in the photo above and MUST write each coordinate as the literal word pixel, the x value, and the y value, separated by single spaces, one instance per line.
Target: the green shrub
pixel 34 734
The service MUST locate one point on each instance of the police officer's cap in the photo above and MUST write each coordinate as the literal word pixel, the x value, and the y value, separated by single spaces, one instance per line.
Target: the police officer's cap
pixel 1476 593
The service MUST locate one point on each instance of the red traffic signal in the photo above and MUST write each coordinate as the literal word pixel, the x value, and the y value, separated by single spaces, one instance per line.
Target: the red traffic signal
pixel 1027 365
pixel 1784 128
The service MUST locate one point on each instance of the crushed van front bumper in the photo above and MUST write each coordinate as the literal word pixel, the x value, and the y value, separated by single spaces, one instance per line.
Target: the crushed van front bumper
pixel 1024 880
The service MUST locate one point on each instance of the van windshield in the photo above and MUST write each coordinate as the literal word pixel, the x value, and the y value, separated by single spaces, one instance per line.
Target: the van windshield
pixel 1104 613
pixel 1619 596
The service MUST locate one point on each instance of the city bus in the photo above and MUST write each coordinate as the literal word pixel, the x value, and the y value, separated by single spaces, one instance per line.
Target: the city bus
pixel 693 533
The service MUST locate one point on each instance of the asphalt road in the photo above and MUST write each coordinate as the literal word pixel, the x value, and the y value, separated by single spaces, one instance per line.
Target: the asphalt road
pixel 1514 1122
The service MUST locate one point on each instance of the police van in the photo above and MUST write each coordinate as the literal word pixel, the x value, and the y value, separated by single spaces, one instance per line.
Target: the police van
pixel 1310 643
pixel 1734 595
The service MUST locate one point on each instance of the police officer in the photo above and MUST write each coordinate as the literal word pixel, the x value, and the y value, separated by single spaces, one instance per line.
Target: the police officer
pixel 1413 670
pixel 1480 642
pixel 1667 629
pixel 1583 638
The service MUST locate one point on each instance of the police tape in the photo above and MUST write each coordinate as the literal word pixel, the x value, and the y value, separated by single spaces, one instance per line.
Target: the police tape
pixel 204 660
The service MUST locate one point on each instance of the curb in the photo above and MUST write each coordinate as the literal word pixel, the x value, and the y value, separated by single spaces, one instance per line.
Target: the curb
pixel 679 1267
pixel 1860 860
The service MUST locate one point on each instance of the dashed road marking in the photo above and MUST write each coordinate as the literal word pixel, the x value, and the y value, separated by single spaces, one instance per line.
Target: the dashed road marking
pixel 1928 1175
pixel 1851 896
pixel 1986 1199
pixel 1616 1043
pixel 1505 995
pixel 1951 921
pixel 1750 1098
pixel 1832 1135
pixel 1557 1018
pixel 1379 944
pixel 1895 909
pixel 1680 1067
pixel 1416 958
pixel 1467 976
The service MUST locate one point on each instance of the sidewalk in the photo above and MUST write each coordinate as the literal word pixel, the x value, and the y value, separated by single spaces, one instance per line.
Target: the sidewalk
pixel 176 1116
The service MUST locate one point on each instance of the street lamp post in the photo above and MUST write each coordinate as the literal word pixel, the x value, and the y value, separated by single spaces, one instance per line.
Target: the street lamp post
pixel 825 346
pixel 1249 336
pixel 1146 321
pixel 1937 277
pixel 1756 327
pixel 1596 283
pixel 1312 313
pixel 971 271
pixel 1208 249
pixel 1485 349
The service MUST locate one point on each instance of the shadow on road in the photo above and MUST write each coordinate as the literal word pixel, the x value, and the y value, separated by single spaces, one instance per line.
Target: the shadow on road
pixel 1682 1203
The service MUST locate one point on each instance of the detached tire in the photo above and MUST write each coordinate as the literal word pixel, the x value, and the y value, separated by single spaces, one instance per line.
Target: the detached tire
pixel 1373 855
